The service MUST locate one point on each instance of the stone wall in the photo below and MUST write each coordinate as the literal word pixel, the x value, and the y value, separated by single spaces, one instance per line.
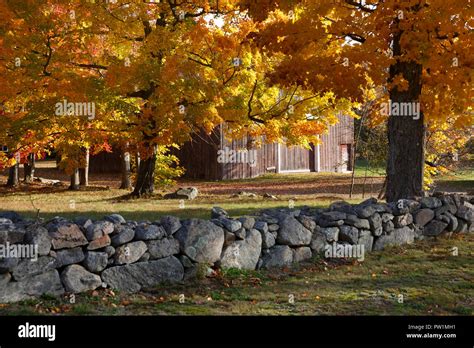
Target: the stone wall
pixel 82 255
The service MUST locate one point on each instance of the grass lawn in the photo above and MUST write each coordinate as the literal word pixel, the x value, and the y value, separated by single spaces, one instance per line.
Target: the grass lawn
pixel 431 280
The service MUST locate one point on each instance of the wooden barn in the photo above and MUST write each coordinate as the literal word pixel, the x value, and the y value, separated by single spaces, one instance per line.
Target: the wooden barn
pixel 213 157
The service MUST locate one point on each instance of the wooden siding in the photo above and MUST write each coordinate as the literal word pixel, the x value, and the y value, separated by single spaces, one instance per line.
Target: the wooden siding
pixel 330 149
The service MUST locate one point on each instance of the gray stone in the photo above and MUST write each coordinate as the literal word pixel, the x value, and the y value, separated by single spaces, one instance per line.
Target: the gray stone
pixel 149 232
pixel 201 240
pixel 11 215
pixel 4 279
pixel 302 254
pixel 348 234
pixel 274 227
pixel 462 226
pixel 77 279
pixel 115 219
pixel 12 235
pixel 452 223
pixel 186 261
pixel 129 253
pixel 399 236
pixel 37 235
pixel 375 222
pixel 188 193
pixel 430 202
pixel 230 224
pixel 243 254
pixel 292 232
pixel 229 238
pixel 366 239
pixel 262 226
pixel 218 212
pixel 95 261
pixel 134 277
pixel 423 216
pixel 403 220
pixel 278 256
pixel 466 213
pixel 331 233
pixel 329 223
pixel 67 236
pixel 109 250
pixel 99 229
pixel 268 239
pixel 342 207
pixel 248 222
pixel 441 210
pixel 69 256
pixel 307 222
pixel 165 247
pixel 41 284
pixel 28 267
pixel 364 211
pixel 334 215
pixel 7 264
pixel 353 220
pixel 171 224
pixel 241 233
pixel 99 243
pixel 388 227
pixel 434 228
pixel 122 235
pixel 386 217
pixel 318 242
pixel 145 257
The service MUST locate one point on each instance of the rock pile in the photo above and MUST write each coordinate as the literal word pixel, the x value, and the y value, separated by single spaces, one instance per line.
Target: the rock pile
pixel 82 255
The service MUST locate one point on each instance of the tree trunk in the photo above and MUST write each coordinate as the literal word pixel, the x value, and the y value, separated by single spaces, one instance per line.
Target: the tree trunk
pixel 406 134
pixel 13 176
pixel 126 183
pixel 74 180
pixel 84 171
pixel 29 168
pixel 146 175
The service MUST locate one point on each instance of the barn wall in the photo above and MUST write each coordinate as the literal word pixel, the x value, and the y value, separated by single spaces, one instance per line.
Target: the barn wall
pixel 105 162
pixel 330 149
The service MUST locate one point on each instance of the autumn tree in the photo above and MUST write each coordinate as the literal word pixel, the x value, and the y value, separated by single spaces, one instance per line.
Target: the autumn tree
pixel 416 52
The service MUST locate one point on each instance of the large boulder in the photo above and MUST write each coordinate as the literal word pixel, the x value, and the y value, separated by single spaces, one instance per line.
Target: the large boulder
pixel 134 277
pixel 201 240
pixel 35 286
pixel 162 248
pixel 66 257
pixel 399 236
pixel 243 254
pixel 95 261
pixel 77 279
pixel 292 232
pixel 188 193
pixel 171 224
pixel 37 235
pixel 122 235
pixel 129 253
pixel 29 267
pixel 149 232
pixel 99 229
pixel 423 216
pixel 67 235
pixel 434 228
pixel 278 256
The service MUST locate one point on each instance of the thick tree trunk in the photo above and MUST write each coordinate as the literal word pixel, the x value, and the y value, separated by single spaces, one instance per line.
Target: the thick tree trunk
pixel 29 168
pixel 13 176
pixel 74 180
pixel 406 134
pixel 146 175
pixel 84 171
pixel 125 158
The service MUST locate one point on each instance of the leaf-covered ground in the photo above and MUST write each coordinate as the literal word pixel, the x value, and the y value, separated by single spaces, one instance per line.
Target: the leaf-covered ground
pixel 431 280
